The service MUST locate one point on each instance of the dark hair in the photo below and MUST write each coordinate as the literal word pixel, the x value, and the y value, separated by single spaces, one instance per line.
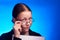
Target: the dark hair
pixel 18 8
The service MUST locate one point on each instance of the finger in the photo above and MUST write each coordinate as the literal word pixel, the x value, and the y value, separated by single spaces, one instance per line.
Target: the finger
pixel 17 22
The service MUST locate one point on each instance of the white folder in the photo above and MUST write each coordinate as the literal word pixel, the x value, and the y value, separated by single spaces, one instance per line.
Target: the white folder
pixel 26 37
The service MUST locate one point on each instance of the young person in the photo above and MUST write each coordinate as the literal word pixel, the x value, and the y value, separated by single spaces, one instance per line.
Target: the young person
pixel 22 19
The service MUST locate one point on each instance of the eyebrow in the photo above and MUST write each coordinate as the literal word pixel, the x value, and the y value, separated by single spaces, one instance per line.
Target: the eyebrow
pixel 25 17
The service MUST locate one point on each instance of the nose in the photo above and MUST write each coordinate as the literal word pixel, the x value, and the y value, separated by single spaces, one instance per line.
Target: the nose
pixel 27 22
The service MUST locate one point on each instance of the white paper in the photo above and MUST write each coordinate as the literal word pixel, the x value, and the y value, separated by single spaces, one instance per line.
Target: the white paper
pixel 25 37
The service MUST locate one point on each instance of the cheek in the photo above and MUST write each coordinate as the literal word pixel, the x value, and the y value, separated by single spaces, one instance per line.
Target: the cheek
pixel 30 22
pixel 23 25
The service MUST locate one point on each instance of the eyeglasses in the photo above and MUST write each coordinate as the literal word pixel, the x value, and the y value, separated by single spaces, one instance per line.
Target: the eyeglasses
pixel 25 20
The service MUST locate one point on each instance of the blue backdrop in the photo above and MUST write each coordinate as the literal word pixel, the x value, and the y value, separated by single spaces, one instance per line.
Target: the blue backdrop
pixel 46 14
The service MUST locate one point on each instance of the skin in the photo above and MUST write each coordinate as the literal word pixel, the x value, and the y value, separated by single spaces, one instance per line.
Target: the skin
pixel 22 27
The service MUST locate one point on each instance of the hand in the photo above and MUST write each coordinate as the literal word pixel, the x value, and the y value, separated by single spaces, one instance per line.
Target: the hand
pixel 17 29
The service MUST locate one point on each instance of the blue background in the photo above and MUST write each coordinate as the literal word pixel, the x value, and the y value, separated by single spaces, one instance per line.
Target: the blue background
pixel 46 14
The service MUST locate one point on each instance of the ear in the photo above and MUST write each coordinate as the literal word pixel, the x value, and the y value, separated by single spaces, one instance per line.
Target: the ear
pixel 13 20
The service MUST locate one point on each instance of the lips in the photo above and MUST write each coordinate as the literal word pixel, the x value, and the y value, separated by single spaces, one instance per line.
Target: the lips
pixel 26 28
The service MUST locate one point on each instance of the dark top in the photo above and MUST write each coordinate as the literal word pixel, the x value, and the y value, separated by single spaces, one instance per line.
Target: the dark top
pixel 8 36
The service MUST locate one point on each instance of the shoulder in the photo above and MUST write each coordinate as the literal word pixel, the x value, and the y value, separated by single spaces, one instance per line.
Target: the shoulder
pixel 34 33
pixel 6 36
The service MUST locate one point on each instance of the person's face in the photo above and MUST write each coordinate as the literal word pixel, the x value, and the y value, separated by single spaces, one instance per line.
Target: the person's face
pixel 26 19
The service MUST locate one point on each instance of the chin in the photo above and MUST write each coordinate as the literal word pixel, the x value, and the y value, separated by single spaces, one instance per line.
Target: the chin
pixel 27 30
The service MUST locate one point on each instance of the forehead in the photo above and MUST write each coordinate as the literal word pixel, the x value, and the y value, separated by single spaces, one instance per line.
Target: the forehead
pixel 25 14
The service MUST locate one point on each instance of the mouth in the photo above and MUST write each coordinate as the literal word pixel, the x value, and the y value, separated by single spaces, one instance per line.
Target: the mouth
pixel 25 29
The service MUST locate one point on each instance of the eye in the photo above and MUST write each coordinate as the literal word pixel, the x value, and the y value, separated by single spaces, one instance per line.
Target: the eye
pixel 23 20
pixel 30 18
